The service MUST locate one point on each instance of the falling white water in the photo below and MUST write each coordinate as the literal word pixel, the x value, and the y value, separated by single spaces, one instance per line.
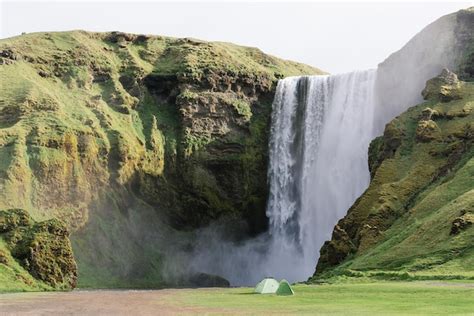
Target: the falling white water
pixel 321 130
pixel 320 134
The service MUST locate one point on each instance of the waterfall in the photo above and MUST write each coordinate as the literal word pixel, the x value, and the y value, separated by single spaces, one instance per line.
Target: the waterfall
pixel 320 134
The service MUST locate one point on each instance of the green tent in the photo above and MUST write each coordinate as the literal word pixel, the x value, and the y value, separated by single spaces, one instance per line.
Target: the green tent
pixel 267 286
pixel 284 288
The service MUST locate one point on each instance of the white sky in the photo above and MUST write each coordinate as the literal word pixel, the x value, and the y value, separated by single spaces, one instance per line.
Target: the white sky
pixel 334 36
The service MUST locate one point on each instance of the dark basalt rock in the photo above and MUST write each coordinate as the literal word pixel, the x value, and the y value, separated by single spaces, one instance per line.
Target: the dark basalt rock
pixel 385 146
pixel 208 280
pixel 163 85
pixel 9 54
pixel 336 250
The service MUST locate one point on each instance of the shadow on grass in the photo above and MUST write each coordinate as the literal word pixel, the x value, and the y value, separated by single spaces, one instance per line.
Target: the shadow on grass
pixel 251 293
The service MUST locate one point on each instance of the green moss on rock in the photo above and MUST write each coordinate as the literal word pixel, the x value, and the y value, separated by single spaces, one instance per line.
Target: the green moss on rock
pixel 42 248
pixel 415 217
pixel 13 218
pixel 444 87
pixel 176 127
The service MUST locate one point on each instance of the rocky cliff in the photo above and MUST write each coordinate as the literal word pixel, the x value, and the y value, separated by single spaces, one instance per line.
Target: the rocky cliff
pixel 445 43
pixel 134 141
pixel 415 219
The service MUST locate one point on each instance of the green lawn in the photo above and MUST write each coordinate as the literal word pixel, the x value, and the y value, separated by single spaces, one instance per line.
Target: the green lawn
pixel 386 298
pixel 376 298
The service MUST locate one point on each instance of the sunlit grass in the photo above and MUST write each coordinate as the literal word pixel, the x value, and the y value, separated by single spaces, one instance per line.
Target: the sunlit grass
pixel 341 299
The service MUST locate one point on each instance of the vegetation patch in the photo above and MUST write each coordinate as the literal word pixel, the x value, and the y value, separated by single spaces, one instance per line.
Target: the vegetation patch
pixel 102 130
pixel 414 222
pixel 43 249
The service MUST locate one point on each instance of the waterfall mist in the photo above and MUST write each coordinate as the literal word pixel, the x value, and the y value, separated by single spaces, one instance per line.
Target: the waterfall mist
pixel 320 133
pixel 403 75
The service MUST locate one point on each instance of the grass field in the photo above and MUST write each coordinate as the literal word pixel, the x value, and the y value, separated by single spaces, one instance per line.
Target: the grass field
pixel 374 298
pixel 381 298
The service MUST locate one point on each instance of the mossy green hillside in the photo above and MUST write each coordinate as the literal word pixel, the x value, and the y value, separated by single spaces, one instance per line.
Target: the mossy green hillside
pixel 415 219
pixel 115 132
pixel 34 255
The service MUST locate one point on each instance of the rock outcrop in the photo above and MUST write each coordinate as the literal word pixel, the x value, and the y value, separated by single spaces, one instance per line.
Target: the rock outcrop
pixel 41 248
pixel 445 43
pixel 445 87
pixel 130 138
pixel 463 222
pixel 408 220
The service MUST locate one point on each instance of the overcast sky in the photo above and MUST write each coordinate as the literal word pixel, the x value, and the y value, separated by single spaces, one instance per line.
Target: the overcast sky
pixel 336 37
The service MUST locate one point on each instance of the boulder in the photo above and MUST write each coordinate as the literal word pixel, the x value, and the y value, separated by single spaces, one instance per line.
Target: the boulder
pixel 427 131
pixel 9 54
pixel 208 280
pixel 428 114
pixel 445 87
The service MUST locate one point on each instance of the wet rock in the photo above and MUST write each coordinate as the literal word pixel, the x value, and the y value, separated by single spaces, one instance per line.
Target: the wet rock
pixel 336 250
pixel 445 87
pixel 464 36
pixel 208 280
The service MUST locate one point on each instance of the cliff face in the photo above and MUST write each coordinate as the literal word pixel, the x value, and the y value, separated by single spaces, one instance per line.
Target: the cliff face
pixel 445 43
pixel 130 138
pixel 415 219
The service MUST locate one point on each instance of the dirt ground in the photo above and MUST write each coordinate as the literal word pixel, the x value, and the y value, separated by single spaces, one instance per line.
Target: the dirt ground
pixel 372 298
pixel 106 302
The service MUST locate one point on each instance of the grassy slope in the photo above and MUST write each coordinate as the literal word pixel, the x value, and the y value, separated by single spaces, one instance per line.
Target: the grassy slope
pixel 73 138
pixel 404 218
pixel 65 100
pixel 13 277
